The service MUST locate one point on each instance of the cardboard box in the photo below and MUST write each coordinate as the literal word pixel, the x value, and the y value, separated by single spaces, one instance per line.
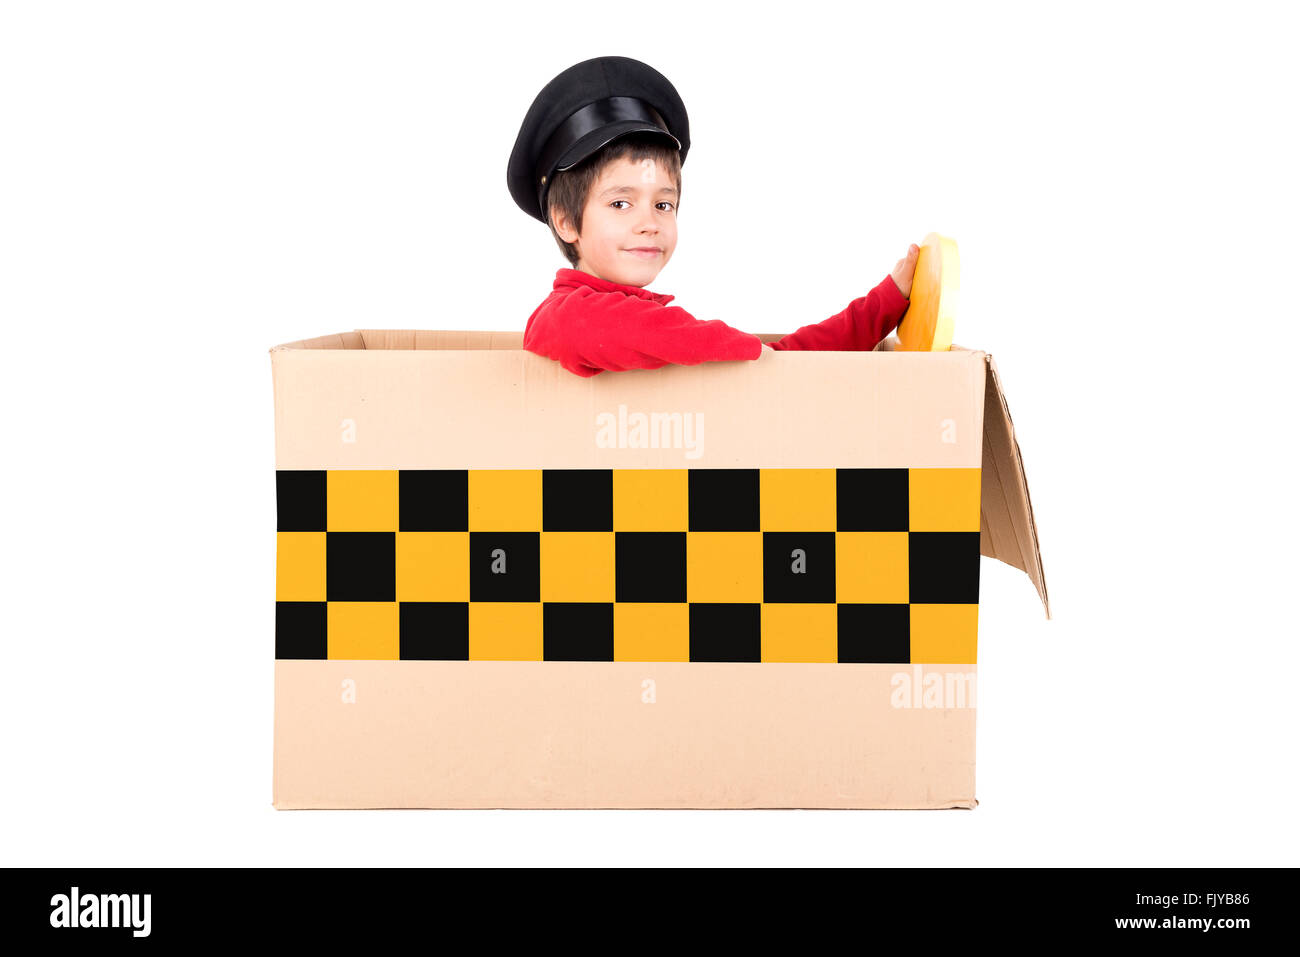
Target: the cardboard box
pixel 731 585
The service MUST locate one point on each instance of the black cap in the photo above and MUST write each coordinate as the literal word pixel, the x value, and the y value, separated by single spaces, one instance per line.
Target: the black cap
pixel 583 109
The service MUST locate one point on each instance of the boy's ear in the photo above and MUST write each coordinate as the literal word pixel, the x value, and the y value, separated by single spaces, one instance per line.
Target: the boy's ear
pixel 563 227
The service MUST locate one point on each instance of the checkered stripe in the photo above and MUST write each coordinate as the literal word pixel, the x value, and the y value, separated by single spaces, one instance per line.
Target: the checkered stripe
pixel 770 565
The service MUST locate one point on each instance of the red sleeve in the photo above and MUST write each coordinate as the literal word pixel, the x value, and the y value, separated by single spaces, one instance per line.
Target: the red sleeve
pixel 589 331
pixel 862 324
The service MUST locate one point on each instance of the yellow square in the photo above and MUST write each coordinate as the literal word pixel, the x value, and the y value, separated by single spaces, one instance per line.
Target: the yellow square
pixel 505 500
pixel 796 500
pixel 724 566
pixel 871 567
pixel 361 500
pixel 651 500
pixel 652 631
pixel 577 566
pixel 800 632
pixel 505 631
pixel 944 634
pixel 943 500
pixel 363 629
pixel 299 566
pixel 433 566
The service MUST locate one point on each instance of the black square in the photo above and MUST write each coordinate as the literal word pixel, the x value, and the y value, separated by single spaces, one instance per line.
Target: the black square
pixel 360 566
pixel 577 500
pixel 871 500
pixel 577 631
pixel 299 500
pixel 943 567
pixel 505 566
pixel 435 630
pixel 301 629
pixel 807 576
pixel 726 632
pixel 650 566
pixel 723 500
pixel 875 633
pixel 433 500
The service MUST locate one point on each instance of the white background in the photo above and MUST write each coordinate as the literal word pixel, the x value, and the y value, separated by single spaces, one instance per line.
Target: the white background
pixel 185 185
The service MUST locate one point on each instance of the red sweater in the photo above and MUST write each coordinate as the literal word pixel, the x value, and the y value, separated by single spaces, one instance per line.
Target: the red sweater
pixel 591 325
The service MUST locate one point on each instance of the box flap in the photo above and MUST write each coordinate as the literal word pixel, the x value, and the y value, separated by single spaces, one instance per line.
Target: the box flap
pixel 440 339
pixel 1007 530
pixel 339 340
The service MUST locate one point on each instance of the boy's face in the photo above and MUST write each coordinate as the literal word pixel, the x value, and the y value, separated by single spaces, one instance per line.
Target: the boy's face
pixel 631 207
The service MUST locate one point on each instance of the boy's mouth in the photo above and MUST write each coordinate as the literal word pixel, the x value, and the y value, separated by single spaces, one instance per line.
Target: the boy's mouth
pixel 645 252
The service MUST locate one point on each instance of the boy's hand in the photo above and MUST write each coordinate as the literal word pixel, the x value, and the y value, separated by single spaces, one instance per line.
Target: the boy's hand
pixel 903 271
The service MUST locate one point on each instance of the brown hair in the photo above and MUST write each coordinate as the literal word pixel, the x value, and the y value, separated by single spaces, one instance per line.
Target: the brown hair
pixel 569 188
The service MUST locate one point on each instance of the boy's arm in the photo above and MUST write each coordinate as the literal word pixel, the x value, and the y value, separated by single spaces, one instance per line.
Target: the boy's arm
pixel 862 324
pixel 590 331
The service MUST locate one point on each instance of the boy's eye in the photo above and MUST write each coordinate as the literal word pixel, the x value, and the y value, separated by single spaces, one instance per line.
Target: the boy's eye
pixel 664 203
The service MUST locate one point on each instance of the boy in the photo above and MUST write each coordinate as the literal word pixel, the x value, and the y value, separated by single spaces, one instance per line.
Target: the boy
pixel 601 152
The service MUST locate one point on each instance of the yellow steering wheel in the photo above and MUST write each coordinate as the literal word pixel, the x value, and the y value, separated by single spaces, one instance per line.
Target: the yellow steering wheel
pixel 927 324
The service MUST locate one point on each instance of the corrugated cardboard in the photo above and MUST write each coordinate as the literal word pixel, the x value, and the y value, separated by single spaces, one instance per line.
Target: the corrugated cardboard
pixel 355 732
